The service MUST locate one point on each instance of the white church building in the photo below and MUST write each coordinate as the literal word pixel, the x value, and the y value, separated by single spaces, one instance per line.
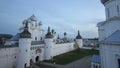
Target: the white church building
pixel 109 35
pixel 32 45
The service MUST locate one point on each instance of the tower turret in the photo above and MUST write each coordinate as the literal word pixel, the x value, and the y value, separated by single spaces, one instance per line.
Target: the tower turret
pixel 79 40
pixel 65 37
pixel 24 48
pixel 48 45
pixel 58 39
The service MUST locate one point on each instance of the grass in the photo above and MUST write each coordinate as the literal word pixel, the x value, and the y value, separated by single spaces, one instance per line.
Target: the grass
pixel 72 56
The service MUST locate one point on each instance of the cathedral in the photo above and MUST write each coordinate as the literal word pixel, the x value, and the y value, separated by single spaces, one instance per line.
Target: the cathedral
pixel 109 35
pixel 32 45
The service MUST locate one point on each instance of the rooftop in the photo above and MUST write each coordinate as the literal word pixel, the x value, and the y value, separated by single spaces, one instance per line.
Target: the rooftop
pixel 95 59
pixel 113 39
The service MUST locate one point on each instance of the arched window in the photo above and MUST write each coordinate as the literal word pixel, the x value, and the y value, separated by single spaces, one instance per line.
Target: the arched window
pixel 37 59
pixel 35 38
pixel 108 12
pixel 118 63
pixel 25 65
pixel 118 10
pixel 41 38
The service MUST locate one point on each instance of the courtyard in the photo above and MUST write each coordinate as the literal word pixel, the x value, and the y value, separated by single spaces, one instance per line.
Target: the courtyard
pixel 72 56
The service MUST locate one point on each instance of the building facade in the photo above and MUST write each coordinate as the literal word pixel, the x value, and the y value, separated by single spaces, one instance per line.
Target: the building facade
pixel 109 35
pixel 32 45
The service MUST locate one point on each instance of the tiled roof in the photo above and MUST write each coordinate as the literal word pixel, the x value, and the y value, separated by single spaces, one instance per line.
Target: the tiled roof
pixel 37 42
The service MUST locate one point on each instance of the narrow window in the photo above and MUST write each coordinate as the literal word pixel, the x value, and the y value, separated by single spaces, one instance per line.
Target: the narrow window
pixel 41 38
pixel 25 65
pixel 15 57
pixel 108 12
pixel 26 50
pixel 35 38
pixel 94 65
pixel 118 9
pixel 118 63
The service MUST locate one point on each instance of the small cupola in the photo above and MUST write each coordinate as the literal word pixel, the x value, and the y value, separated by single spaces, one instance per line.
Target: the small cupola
pixel 78 36
pixel 58 37
pixel 25 33
pixel 65 33
pixel 49 35
pixel 33 18
pixel 40 23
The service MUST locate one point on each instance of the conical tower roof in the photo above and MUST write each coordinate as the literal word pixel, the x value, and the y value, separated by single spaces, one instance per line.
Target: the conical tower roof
pixel 25 33
pixel 49 35
pixel 78 36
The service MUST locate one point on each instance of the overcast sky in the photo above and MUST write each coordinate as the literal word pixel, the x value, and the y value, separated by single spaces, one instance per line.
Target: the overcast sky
pixel 62 15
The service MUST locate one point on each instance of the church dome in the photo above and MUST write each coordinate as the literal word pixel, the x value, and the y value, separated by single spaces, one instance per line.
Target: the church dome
pixel 40 23
pixel 104 1
pixel 33 18
pixel 24 21
pixel 25 33
pixel 78 36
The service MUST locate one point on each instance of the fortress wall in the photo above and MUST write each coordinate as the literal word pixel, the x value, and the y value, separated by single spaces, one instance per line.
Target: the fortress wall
pixel 8 57
pixel 58 49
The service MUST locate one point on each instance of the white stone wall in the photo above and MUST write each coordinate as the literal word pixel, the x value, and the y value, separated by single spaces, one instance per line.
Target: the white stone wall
pixel 58 49
pixel 35 30
pixel 24 52
pixel 37 33
pixel 79 42
pixel 34 54
pixel 111 27
pixel 108 28
pixel 8 57
pixel 48 48
pixel 109 56
pixel 111 9
pixel 101 32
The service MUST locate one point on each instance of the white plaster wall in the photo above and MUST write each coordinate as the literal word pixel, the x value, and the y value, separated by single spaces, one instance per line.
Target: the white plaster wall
pixel 35 31
pixel 33 24
pixel 58 49
pixel 7 57
pixel 108 28
pixel 48 48
pixel 33 52
pixel 79 42
pixel 111 27
pixel 112 8
pixel 24 52
pixel 101 32
pixel 109 55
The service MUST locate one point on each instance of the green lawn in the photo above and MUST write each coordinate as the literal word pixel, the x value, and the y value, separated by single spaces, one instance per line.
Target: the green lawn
pixel 72 56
